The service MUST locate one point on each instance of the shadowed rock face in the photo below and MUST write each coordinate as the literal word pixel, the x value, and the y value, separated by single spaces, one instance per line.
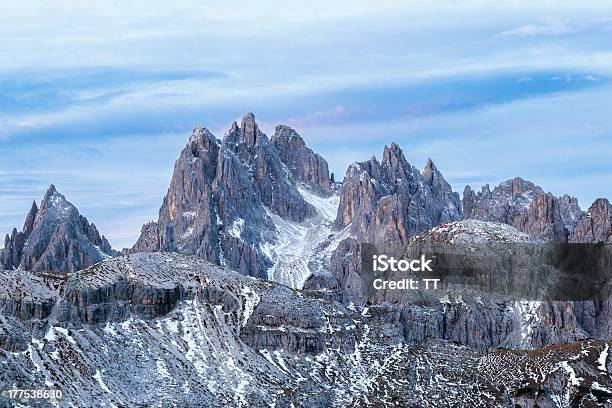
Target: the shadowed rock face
pixel 10 256
pixel 524 205
pixel 388 202
pixel 55 237
pixel 306 166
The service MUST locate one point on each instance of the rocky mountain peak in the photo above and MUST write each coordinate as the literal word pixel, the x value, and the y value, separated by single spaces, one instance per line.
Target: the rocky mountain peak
pixel 247 133
pixel 250 130
pixel 305 166
pixel 394 162
pixel 392 201
pixel 55 237
pixel 273 180
pixel 224 194
pixel 432 176
pixel 202 135
pixel 55 199
pixel 430 167
pixel 284 134
pixel 526 206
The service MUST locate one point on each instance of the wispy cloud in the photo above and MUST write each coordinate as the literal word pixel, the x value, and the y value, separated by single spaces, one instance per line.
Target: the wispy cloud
pixel 550 27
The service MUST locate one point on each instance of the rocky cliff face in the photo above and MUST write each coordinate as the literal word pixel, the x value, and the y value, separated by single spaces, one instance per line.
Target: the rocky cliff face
pixel 271 178
pixel 306 166
pixel 596 224
pixel 212 209
pixel 387 202
pixel 55 237
pixel 10 256
pixel 522 204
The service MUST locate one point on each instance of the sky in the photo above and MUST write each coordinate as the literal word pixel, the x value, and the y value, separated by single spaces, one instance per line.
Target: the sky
pixel 99 97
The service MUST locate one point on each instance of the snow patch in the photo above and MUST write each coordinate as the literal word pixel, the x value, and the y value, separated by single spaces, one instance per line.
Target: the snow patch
pixel 251 300
pixel 98 377
pixel 237 228
pixel 297 243
pixel 602 359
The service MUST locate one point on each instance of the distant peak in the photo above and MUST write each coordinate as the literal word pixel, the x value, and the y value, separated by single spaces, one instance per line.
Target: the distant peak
pixel 51 190
pixel 250 130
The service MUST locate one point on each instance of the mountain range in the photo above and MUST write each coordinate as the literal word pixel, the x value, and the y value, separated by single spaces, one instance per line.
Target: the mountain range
pixel 249 290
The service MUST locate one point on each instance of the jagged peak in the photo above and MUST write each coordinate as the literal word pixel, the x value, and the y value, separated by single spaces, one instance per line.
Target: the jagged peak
pixel 29 221
pixel 520 185
pixel 248 132
pixel 600 205
pixel 248 120
pixel 52 196
pixel 393 150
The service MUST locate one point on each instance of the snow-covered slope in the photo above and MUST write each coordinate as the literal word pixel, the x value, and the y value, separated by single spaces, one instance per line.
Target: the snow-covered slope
pixel 298 243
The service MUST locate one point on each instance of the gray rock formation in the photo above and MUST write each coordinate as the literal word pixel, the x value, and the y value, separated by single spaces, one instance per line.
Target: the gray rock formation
pixel 272 180
pixel 306 166
pixel 500 300
pixel 212 210
pixel 223 194
pixel 388 202
pixel 55 237
pixel 524 205
pixel 164 329
pixel 596 225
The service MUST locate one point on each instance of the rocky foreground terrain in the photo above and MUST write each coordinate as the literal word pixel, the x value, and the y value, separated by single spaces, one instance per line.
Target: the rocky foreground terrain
pixel 163 329
pixel 249 290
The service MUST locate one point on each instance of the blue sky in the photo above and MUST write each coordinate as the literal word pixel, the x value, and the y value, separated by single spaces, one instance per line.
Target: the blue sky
pixel 99 98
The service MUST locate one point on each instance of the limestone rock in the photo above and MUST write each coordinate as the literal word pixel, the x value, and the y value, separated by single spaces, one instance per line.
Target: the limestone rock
pixel 524 205
pixel 212 209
